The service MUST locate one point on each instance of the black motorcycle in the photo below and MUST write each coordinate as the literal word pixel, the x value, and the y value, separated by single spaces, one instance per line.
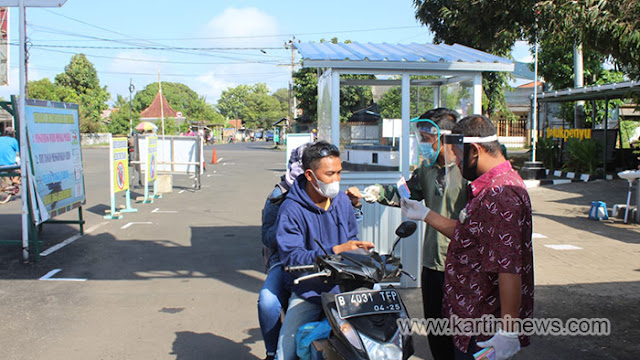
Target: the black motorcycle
pixel 364 314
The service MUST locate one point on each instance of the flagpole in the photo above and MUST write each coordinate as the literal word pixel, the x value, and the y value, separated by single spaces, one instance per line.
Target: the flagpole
pixel 161 104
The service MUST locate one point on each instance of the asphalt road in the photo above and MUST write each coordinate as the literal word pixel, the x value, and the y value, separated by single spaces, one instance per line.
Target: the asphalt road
pixel 179 279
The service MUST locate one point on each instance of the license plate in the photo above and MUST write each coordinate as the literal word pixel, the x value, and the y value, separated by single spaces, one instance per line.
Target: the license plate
pixel 357 303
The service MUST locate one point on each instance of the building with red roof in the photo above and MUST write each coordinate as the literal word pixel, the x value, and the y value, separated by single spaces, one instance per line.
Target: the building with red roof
pixel 159 107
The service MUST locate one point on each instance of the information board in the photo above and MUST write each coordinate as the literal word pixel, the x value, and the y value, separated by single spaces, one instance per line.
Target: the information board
pixel 296 140
pixel 56 157
pixel 152 158
pixel 120 166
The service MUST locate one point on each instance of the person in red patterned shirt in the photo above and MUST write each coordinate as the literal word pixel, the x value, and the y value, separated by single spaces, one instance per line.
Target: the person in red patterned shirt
pixel 489 263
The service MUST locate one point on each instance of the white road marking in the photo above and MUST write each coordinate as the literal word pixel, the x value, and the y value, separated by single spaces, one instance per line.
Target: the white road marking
pixel 220 159
pixel 229 164
pixel 564 247
pixel 59 246
pixel 48 277
pixel 538 236
pixel 50 274
pixel 136 223
pixel 157 210
pixel 180 192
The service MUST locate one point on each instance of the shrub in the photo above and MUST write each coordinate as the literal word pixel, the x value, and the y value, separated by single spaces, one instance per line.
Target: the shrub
pixel 548 151
pixel 583 155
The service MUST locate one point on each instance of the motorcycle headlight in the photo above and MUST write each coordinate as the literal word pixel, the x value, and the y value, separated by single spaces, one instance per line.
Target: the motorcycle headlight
pixel 386 351
pixel 348 331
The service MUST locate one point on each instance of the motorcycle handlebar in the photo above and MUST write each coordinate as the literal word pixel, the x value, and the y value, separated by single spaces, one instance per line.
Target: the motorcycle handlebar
pixel 299 268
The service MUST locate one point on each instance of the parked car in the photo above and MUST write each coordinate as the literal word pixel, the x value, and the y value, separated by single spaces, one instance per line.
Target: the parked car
pixel 268 135
pixel 259 134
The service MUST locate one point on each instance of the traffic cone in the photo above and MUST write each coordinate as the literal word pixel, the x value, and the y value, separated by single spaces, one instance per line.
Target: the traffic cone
pixel 214 158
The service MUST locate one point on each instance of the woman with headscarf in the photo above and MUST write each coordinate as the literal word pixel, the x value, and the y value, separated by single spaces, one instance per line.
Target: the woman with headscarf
pixel 273 295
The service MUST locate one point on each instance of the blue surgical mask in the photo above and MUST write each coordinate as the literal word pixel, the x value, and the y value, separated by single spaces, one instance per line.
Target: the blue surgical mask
pixel 430 155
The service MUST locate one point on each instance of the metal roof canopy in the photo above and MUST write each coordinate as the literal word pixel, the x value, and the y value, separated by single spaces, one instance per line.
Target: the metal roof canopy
pixel 598 92
pixel 439 58
pixel 451 63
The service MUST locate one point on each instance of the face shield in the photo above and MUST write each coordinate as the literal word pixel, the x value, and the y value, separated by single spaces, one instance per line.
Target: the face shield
pixel 453 153
pixel 457 148
pixel 425 138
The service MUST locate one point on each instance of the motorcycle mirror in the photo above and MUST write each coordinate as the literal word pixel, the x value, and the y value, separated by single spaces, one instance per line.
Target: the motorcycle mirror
pixel 406 229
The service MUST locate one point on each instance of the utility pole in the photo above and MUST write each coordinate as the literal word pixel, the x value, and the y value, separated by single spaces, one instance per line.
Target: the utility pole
pixel 292 99
pixel 131 90
pixel 161 103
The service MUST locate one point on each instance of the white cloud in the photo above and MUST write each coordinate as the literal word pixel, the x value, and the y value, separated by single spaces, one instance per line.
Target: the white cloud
pixel 242 27
pixel 14 82
pixel 211 86
pixel 239 28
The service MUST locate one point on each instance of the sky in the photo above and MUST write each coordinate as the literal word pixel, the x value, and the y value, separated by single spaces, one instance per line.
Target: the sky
pixel 208 45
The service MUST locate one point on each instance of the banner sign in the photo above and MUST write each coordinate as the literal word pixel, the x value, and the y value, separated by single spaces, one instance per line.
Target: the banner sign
pixel 120 160
pixel 4 46
pixel 56 157
pixel 152 154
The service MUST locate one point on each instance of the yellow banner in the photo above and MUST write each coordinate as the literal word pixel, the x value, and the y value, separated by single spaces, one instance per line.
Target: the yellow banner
pixel 120 165
pixel 561 132
pixel 152 165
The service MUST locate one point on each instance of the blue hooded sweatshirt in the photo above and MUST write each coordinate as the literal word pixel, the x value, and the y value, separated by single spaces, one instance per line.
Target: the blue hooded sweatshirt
pixel 300 221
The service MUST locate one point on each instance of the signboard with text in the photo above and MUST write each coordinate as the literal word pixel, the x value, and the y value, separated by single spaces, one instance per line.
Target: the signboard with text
pixel 152 154
pixel 54 141
pixel 120 164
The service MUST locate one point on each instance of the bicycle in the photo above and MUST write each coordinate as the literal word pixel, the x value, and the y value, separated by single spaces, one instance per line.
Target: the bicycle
pixel 8 189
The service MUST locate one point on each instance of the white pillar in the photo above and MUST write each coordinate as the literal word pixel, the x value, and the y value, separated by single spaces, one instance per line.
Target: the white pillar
pixel 477 94
pixel 534 116
pixel 404 138
pixel 335 107
pixel 436 96
pixel 410 247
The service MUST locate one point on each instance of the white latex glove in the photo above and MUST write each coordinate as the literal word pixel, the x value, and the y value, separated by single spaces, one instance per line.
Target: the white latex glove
pixel 372 193
pixel 414 210
pixel 505 344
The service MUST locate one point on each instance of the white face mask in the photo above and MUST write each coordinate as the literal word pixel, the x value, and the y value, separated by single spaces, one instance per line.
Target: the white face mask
pixel 330 190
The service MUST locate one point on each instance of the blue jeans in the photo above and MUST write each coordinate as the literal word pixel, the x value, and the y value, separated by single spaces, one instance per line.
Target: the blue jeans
pixel 300 312
pixel 272 299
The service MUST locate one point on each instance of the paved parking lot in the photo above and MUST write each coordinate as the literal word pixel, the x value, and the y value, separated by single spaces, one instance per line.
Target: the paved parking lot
pixel 179 279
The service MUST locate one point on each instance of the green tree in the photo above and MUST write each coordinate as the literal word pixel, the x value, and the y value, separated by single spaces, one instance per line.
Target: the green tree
pixel 252 104
pixel 610 28
pixel 421 100
pixel 181 98
pixel 171 127
pixel 305 89
pixel 43 89
pixel 119 118
pixel 232 101
pixel 282 95
pixel 352 97
pixel 491 26
pixel 80 84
